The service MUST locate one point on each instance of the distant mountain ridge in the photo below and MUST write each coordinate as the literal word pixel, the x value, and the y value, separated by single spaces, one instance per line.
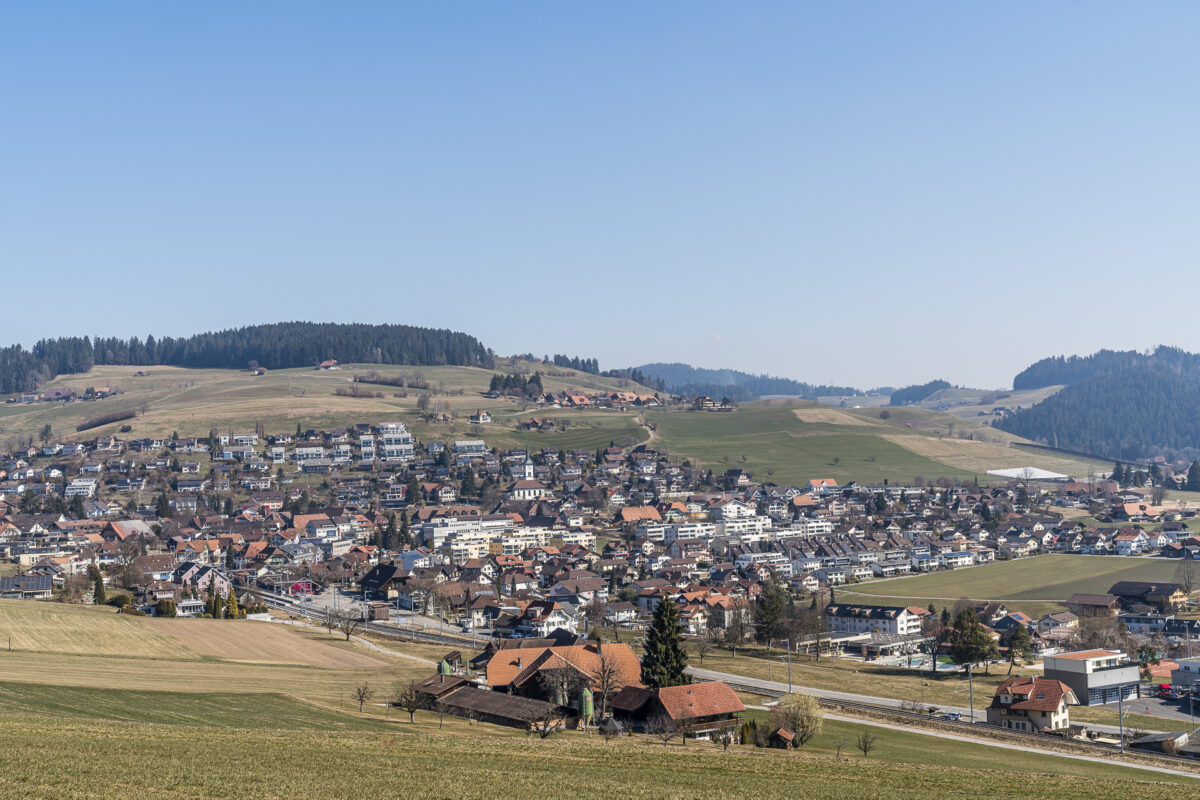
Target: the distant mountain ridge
pixel 736 385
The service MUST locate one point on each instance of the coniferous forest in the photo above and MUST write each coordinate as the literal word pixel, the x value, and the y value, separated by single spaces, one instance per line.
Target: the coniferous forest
pixel 274 346
pixel 1132 413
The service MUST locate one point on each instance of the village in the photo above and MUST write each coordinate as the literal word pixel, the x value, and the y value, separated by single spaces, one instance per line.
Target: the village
pixel 547 559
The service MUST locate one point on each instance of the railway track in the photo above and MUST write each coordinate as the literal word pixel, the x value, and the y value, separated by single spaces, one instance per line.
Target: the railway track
pixel 962 724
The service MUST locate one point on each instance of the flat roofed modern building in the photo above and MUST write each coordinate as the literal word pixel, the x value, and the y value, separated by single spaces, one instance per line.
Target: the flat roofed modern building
pixel 1095 676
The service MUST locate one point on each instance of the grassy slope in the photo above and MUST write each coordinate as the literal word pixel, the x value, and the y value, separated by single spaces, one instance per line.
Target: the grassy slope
pixel 1048 578
pixel 206 728
pixel 191 401
pixel 172 760
pixel 797 442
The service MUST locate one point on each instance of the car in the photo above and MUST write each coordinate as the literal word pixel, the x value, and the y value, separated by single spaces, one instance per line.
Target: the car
pixel 953 715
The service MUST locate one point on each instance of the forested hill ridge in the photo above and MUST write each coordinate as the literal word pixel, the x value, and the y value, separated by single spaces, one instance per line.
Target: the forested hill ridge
pixel 685 379
pixel 1060 370
pixel 915 394
pixel 1146 407
pixel 273 346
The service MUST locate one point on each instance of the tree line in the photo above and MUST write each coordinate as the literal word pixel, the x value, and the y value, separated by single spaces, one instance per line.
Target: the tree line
pixel 274 346
pixel 1063 370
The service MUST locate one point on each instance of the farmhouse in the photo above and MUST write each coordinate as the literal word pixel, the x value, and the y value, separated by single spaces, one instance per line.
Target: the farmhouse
pixel 696 710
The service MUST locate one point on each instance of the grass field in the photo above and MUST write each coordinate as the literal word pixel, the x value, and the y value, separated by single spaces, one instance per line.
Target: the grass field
pixel 235 762
pixel 788 442
pixel 207 723
pixel 1044 579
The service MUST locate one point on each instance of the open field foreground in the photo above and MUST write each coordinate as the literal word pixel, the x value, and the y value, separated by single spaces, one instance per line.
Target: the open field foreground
pixel 191 717
pixel 1047 578
pixel 177 761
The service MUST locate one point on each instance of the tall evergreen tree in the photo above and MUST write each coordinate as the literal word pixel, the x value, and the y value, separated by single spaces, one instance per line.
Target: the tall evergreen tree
pixel 969 642
pixel 405 530
pixel 664 658
pixel 232 610
pixel 770 614
pixel 99 596
pixel 1193 477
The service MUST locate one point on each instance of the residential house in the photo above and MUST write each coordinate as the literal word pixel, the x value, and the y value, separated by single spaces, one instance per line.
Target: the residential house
pixel 1031 704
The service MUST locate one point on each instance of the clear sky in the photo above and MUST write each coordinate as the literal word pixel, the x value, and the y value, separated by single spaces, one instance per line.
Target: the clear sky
pixel 853 192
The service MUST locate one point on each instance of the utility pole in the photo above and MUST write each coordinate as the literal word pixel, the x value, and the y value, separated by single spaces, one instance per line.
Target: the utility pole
pixel 789 645
pixel 971 689
pixel 1121 715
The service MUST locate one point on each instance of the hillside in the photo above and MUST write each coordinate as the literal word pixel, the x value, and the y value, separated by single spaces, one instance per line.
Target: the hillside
pixel 792 442
pixel 781 439
pixel 274 346
pixel 193 401
pixel 214 726
pixel 1132 413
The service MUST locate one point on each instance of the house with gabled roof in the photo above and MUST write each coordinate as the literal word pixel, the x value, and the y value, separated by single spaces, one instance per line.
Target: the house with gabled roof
pixel 1031 704
pixel 696 710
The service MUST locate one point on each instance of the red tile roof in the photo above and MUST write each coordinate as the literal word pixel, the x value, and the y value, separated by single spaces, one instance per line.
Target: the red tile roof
pixel 699 700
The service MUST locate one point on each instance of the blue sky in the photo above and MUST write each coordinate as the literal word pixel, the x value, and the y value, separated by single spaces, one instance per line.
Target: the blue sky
pixel 863 193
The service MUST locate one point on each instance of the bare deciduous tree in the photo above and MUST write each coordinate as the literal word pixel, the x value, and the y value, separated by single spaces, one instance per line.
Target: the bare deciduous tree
pixel 663 726
pixel 544 723
pixel 347 622
pixel 1186 574
pixel 363 694
pixel 866 742
pixel 703 646
pixel 441 709
pixel 737 626
pixel 409 698
pixel 607 678
pixel 560 685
